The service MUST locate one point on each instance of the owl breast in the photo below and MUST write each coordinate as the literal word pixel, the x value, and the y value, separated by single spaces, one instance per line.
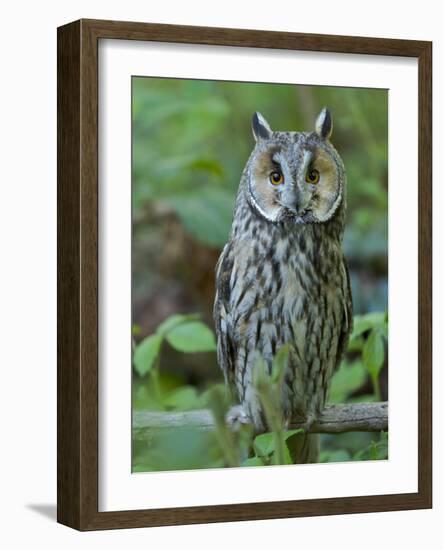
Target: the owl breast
pixel 282 286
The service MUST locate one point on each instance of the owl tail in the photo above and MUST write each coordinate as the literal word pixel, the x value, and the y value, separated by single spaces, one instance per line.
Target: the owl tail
pixel 304 448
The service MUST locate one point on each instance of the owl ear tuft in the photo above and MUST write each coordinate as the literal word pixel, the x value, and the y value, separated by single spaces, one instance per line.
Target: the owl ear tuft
pixel 323 124
pixel 260 127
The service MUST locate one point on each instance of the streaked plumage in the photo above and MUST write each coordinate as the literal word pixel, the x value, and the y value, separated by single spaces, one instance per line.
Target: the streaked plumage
pixel 282 277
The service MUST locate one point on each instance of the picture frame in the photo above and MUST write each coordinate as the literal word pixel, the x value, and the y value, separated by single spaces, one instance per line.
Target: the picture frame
pixel 78 274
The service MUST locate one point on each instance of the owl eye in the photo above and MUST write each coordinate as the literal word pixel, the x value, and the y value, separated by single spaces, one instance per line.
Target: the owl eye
pixel 276 177
pixel 312 176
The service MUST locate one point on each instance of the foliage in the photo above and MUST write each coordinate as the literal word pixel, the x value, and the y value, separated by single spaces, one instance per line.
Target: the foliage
pixel 183 332
pixel 375 327
pixel 190 448
pixel 192 139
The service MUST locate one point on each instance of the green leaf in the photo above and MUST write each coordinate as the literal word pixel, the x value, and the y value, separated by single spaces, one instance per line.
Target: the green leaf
pixel 363 323
pixel 254 461
pixel 383 446
pixel 373 451
pixel 348 378
pixel 173 321
pixel 383 328
pixel 376 450
pixel 144 396
pixel 260 377
pixel 146 353
pixel 217 401
pixel 264 444
pixel 184 398
pixel 279 365
pixel 287 454
pixel 377 318
pixel 206 398
pixel 289 433
pixel 191 337
pixel 374 353
pixel 355 344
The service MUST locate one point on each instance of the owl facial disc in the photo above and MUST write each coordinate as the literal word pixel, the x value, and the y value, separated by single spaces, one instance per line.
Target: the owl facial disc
pixel 296 176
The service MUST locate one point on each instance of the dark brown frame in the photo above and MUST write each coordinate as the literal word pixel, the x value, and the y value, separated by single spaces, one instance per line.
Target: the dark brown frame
pixel 77 456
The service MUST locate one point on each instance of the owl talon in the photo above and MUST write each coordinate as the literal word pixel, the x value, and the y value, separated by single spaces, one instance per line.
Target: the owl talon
pixel 236 417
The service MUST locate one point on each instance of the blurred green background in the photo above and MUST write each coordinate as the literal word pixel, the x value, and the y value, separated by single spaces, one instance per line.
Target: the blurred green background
pixel 191 140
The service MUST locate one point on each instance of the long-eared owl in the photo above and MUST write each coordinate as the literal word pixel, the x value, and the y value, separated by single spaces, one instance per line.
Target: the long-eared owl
pixel 282 277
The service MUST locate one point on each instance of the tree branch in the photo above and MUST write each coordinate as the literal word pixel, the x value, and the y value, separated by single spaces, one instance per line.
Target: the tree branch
pixel 355 417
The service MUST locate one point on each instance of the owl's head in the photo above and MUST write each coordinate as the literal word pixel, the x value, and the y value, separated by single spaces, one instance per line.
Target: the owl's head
pixel 295 176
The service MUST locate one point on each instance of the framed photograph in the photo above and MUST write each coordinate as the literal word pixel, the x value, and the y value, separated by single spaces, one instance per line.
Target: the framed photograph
pixel 244 274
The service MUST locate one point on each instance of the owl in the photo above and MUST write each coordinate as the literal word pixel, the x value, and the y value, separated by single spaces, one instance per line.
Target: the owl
pixel 282 278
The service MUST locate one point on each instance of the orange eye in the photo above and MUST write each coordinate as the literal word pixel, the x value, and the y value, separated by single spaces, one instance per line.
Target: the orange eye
pixel 276 178
pixel 313 176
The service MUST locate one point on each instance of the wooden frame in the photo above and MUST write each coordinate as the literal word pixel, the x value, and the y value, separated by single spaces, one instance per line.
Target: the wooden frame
pixel 77 456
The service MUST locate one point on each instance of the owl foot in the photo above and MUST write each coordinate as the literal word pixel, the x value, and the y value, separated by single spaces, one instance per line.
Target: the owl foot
pixel 236 417
pixel 310 420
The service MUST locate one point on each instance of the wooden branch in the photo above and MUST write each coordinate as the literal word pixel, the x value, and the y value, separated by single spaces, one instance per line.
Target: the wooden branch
pixel 356 417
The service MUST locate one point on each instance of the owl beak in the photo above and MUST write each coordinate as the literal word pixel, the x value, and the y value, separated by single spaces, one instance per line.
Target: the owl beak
pixel 294 201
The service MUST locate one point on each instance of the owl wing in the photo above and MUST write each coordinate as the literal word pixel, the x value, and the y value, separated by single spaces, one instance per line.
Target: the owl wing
pixel 226 352
pixel 347 323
